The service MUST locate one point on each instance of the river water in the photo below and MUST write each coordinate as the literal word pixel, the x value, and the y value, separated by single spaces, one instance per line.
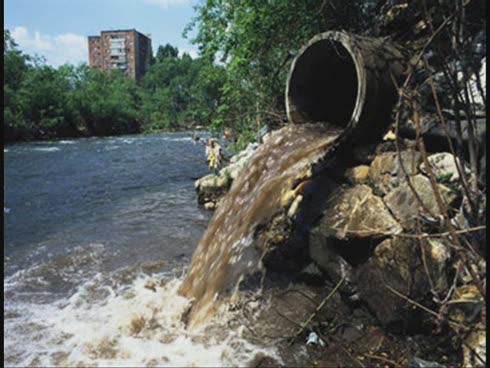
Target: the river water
pixel 98 234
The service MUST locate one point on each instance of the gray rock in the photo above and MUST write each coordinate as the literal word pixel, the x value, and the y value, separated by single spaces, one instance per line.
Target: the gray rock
pixel 357 213
pixel 403 204
pixel 395 265
pixel 386 172
pixel 326 258
pixel 211 188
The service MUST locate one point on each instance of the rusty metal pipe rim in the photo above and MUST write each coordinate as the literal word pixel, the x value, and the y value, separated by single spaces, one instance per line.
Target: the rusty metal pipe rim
pixel 345 80
pixel 343 39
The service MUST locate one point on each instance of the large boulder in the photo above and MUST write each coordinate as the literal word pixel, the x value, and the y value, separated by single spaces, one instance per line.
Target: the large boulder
pixel 352 220
pixel 395 265
pixel 357 213
pixel 398 263
pixel 386 172
pixel 404 205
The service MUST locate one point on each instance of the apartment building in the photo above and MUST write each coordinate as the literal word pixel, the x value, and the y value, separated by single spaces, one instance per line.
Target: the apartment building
pixel 125 49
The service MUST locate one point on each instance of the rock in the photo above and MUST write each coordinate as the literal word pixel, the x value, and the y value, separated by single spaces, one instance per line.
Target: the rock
pixel 421 363
pixel 266 137
pixel 353 214
pixel 396 264
pixel 390 136
pixel 209 205
pixel 403 204
pixel 293 209
pixel 460 222
pixel 312 269
pixel 475 347
pixel 443 166
pixel 386 172
pixel 358 174
pixel 246 153
pixel 357 213
pixel 464 275
pixel 437 263
pixel 327 259
pixel 211 188
pixel 467 308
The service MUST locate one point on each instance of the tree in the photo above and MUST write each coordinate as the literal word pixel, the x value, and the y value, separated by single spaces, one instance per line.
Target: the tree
pixel 167 51
pixel 15 68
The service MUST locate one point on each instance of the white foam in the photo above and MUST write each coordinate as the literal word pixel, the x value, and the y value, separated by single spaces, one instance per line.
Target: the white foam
pixel 182 139
pixel 5 150
pixel 45 149
pixel 132 326
pixel 67 142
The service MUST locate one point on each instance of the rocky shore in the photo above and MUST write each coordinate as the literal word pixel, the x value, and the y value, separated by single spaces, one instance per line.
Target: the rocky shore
pixel 369 224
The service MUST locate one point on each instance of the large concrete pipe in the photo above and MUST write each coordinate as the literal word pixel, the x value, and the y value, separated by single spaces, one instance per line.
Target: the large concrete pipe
pixel 345 80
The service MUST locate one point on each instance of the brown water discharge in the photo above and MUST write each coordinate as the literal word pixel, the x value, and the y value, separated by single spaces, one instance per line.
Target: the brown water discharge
pixel 345 79
pixel 226 253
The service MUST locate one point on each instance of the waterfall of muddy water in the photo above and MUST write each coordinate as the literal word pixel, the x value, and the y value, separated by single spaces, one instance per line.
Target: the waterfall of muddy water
pixel 226 253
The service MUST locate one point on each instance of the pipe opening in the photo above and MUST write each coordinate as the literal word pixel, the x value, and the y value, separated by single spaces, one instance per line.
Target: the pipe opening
pixel 324 84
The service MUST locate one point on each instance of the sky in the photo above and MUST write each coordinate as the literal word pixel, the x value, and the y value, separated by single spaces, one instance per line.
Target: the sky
pixel 58 29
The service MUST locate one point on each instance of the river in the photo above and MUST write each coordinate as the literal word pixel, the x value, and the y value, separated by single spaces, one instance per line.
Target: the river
pixel 98 234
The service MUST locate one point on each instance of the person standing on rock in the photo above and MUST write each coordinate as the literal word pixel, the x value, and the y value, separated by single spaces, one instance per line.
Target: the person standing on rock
pixel 213 153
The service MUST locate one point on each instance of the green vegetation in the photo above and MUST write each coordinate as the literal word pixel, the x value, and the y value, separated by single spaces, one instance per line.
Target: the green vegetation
pixel 42 102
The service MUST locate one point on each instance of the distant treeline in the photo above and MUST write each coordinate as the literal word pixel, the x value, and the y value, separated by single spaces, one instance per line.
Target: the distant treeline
pixel 42 102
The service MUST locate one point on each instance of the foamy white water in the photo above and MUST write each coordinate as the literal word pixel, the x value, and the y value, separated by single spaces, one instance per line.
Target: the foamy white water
pixel 139 324
pixel 45 149
pixel 104 222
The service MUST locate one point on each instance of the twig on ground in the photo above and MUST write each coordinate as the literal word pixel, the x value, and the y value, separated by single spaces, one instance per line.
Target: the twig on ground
pixel 320 306
pixel 386 360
